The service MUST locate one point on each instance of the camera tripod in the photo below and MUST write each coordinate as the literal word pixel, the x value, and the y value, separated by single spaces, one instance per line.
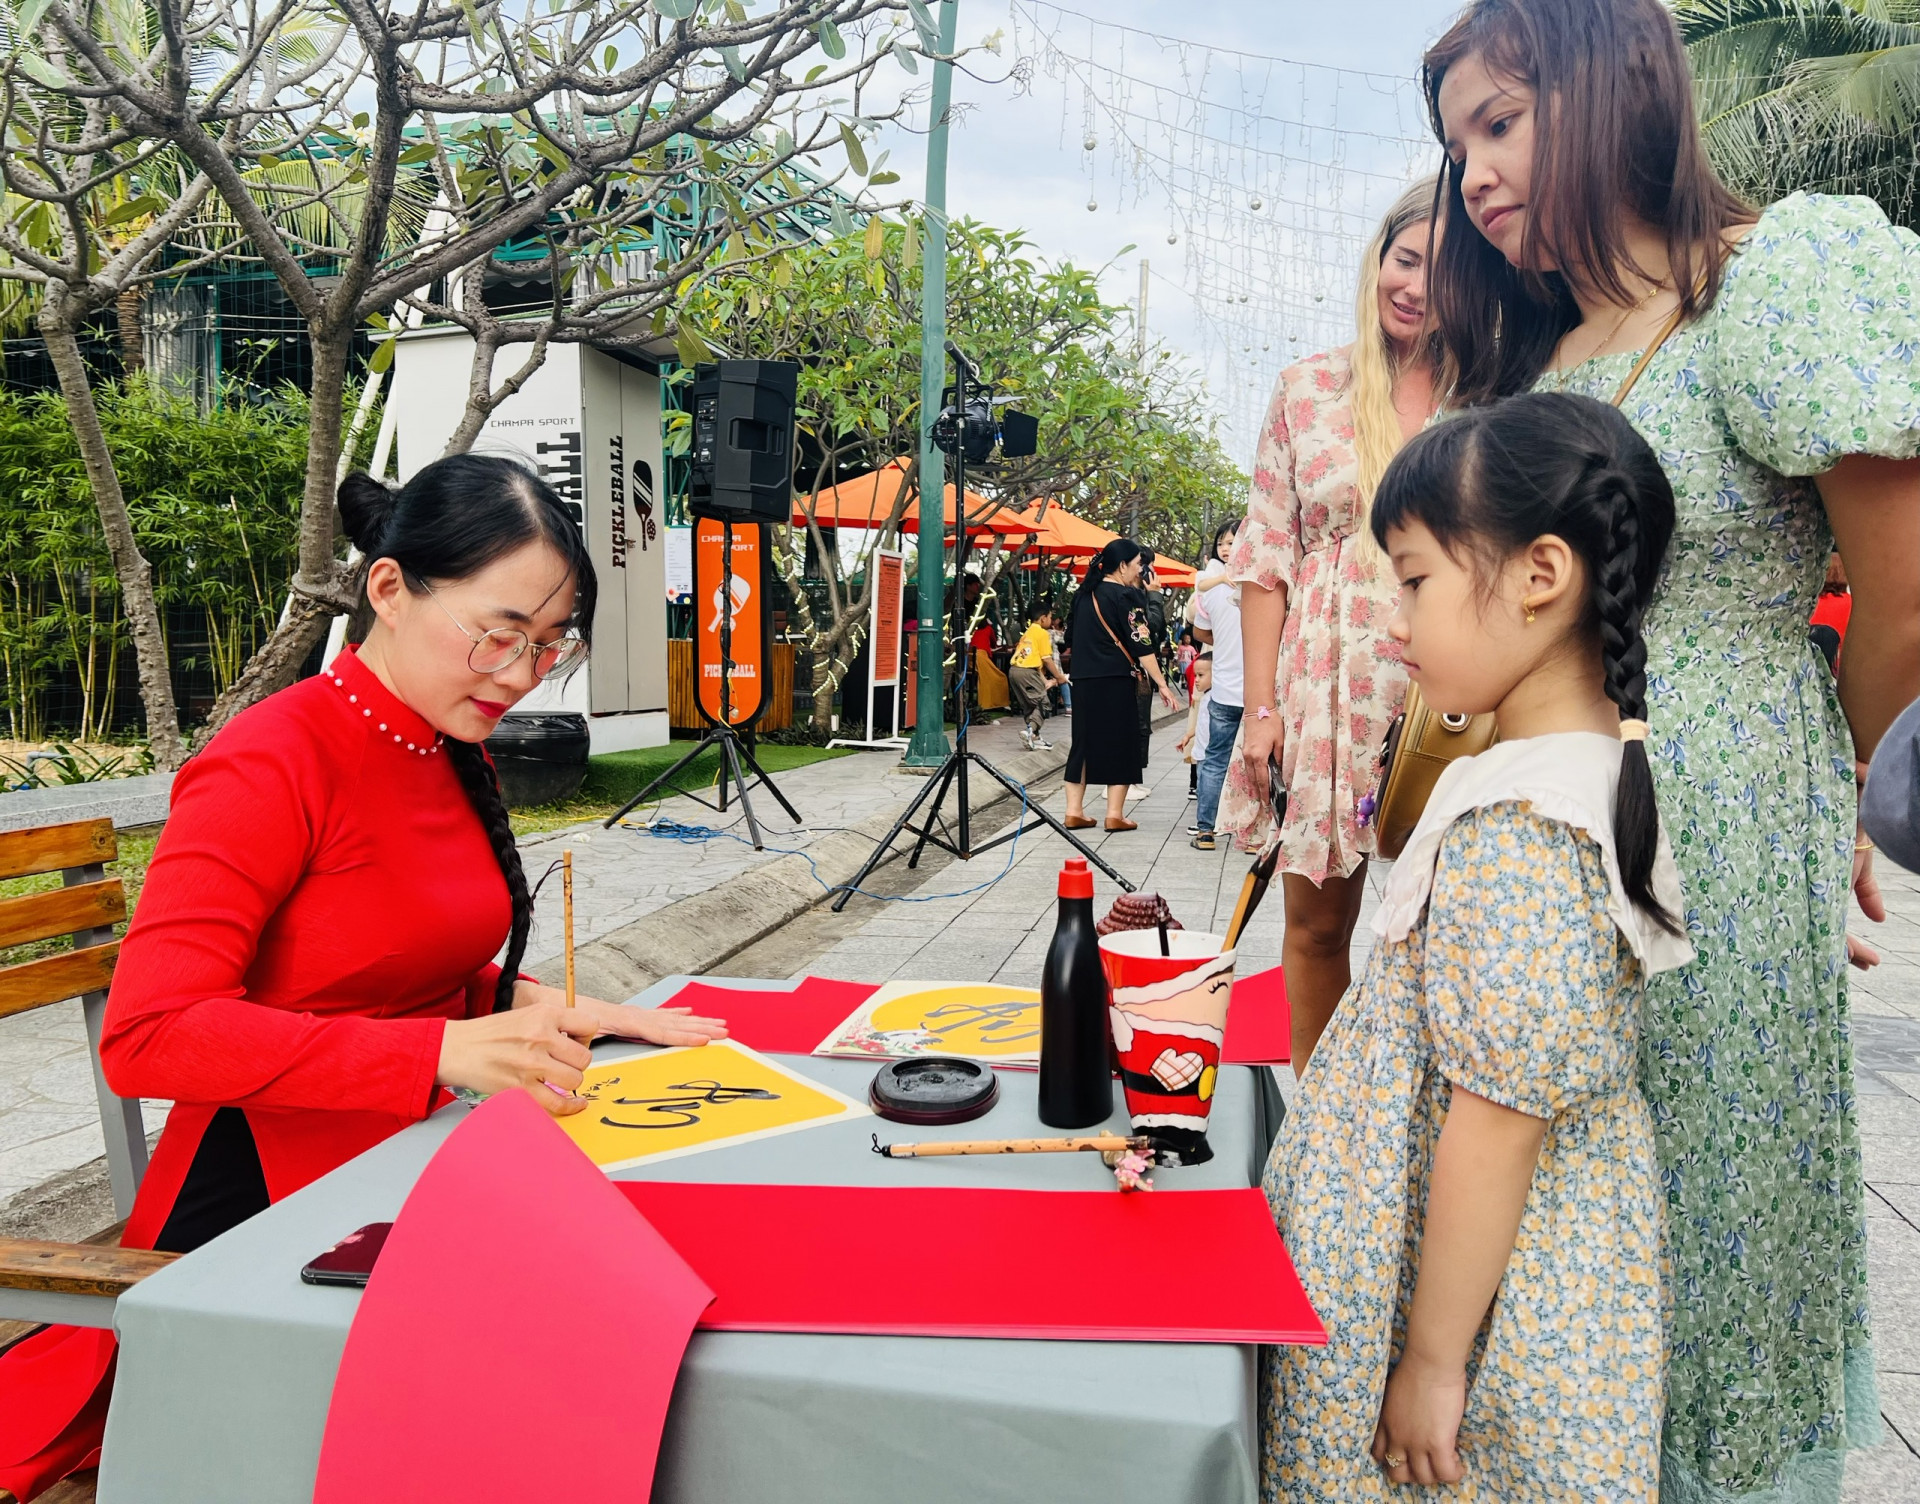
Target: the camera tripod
pixel 955 836
pixel 735 750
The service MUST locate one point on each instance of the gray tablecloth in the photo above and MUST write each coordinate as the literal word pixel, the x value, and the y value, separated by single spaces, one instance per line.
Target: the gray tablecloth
pixel 227 1360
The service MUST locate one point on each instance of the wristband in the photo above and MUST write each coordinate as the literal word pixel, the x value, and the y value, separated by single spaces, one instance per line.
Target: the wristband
pixel 1263 712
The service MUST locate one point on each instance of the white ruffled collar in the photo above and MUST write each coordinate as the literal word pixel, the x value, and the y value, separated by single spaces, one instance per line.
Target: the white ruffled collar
pixel 1570 777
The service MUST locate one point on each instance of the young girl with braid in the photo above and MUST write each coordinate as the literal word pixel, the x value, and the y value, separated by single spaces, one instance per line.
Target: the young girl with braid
pixel 1468 1183
pixel 311 964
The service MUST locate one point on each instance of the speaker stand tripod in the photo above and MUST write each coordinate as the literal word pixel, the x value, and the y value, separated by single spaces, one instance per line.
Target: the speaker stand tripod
pixel 956 837
pixel 734 749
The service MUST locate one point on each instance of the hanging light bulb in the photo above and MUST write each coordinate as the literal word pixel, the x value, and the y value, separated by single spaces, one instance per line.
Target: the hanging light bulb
pixel 1266 347
pixel 1256 203
pixel 1093 206
pixel 1090 143
pixel 1243 297
pixel 1319 297
pixel 1173 237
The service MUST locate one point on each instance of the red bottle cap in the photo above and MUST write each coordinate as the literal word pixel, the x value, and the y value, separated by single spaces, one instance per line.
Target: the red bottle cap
pixel 1075 880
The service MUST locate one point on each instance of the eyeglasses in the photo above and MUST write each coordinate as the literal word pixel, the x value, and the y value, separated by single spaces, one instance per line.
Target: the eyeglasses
pixel 494 650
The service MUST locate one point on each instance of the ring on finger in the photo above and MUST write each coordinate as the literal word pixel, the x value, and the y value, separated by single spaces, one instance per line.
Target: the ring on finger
pixel 1393 1460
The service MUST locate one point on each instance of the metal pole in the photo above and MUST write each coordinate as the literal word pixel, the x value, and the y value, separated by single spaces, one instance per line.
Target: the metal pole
pixel 929 745
pixel 1140 374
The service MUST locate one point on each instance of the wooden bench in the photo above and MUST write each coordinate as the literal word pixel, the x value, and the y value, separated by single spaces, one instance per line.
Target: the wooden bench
pixel 73 1283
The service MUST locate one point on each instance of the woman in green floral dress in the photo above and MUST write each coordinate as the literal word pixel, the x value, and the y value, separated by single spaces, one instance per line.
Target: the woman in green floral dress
pixel 1582 222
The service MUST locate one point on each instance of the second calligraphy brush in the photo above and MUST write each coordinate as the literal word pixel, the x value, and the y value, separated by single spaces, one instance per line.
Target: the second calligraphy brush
pixel 1099 1143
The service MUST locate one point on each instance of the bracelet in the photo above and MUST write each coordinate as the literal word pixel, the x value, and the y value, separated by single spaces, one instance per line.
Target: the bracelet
pixel 1263 712
pixel 1864 843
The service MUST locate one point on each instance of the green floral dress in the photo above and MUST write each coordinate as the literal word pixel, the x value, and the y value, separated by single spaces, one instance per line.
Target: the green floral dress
pixel 1807 356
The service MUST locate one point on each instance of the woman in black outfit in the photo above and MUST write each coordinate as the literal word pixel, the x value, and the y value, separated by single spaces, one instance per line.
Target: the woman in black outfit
pixel 1107 627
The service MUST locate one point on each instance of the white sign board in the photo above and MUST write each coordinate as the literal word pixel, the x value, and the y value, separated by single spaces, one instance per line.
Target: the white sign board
pixel 590 424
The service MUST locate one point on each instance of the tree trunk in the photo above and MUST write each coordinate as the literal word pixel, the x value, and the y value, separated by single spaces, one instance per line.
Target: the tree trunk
pixel 57 324
pixel 322 586
pixel 127 311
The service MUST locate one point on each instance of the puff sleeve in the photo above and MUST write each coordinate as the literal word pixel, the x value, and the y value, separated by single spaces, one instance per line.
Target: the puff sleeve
pixel 1267 552
pixel 1816 332
pixel 1528 988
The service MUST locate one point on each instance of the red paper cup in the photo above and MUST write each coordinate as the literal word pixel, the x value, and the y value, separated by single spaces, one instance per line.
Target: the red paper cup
pixel 1169 1016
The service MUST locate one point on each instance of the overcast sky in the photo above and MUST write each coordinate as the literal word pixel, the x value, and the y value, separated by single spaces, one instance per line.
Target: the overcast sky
pixel 1018 160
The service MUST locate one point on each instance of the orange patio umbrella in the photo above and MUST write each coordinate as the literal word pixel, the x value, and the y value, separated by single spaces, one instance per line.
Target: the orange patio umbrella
pixel 868 500
pixel 1063 534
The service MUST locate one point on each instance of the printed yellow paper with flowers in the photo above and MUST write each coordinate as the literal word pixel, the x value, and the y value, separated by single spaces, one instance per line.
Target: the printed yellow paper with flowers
pixel 979 1020
pixel 666 1103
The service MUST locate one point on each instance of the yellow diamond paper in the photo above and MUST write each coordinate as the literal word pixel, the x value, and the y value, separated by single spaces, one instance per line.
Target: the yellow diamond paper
pixel 981 1020
pixel 666 1103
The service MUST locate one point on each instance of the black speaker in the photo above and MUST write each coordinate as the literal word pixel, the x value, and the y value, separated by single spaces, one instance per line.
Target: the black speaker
pixel 742 446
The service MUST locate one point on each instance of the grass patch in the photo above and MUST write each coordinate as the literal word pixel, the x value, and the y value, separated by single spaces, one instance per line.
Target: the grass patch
pixel 615 777
pixel 136 851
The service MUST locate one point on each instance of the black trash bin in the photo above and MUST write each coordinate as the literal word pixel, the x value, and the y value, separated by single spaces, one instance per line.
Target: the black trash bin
pixel 540 758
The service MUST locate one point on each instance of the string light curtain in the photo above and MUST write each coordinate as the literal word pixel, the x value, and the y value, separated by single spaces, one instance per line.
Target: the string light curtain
pixel 1269 173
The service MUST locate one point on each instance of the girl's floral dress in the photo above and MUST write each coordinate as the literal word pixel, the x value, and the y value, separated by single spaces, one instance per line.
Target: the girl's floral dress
pixel 1516 984
pixel 1806 356
pixel 1340 683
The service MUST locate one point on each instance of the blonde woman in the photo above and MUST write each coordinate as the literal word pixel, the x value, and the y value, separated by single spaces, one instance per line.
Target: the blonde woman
pixel 1315 601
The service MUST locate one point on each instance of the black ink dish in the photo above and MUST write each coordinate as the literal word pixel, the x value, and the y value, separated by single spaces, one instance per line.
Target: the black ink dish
pixel 934 1089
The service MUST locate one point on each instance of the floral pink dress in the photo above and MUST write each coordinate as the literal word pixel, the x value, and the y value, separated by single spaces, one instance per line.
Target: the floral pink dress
pixel 1340 683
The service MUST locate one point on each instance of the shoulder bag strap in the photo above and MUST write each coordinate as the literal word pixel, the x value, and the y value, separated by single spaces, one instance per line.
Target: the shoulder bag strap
pixel 1646 358
pixel 1093 600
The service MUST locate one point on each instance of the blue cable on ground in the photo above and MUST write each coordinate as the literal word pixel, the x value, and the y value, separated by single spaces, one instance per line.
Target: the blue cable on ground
pixel 685 834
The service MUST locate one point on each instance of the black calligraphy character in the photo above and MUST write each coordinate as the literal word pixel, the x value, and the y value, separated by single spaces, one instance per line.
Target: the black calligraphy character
pixel 683 1111
pixel 1000 1023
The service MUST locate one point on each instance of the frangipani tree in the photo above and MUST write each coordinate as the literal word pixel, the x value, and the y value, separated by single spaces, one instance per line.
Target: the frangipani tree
pixel 387 161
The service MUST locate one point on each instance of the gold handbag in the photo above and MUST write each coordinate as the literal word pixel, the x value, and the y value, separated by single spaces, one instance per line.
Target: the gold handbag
pixel 1420 743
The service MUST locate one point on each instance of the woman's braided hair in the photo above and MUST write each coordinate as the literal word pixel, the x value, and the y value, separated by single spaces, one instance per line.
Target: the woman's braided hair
pixel 449 522
pixel 1493 479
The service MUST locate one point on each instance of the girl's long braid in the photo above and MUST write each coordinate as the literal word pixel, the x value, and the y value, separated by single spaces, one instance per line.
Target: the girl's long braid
pixel 483 792
pixel 1623 658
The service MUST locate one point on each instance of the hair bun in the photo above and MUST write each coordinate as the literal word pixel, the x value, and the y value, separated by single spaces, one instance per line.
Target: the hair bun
pixel 366 506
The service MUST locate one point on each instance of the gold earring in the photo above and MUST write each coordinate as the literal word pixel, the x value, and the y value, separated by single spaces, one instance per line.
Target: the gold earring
pixel 1529 616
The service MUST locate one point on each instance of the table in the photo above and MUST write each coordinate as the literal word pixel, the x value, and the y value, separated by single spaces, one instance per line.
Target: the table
pixel 227 1360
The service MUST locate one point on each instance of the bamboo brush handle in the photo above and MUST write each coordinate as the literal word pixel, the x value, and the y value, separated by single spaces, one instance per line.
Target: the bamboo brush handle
pixel 1103 1143
pixel 566 907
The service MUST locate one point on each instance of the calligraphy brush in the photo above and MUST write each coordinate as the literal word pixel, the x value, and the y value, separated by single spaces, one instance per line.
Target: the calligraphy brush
pixel 1104 1143
pixel 566 909
pixel 1261 873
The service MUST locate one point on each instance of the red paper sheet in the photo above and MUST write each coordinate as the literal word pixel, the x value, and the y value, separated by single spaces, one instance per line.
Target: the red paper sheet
pixel 776 1023
pixel 461 1376
pixel 928 1261
pixel 1259 1022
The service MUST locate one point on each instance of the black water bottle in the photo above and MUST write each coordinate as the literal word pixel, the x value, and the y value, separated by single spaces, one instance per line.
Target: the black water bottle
pixel 1076 1077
